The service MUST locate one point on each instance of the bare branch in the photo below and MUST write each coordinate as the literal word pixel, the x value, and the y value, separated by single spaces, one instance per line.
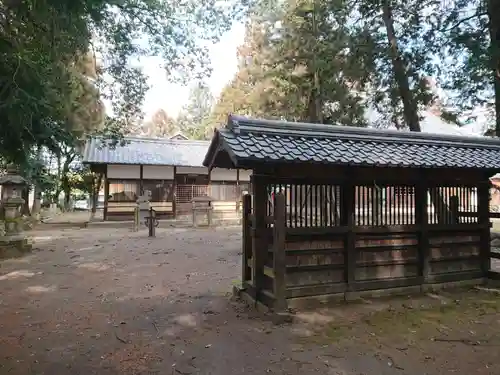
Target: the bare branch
pixel 463 20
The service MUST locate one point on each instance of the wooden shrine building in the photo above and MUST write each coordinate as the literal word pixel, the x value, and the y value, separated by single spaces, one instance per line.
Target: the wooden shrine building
pixel 355 209
pixel 171 169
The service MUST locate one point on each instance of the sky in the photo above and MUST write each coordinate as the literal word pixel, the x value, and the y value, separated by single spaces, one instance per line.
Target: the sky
pixel 171 97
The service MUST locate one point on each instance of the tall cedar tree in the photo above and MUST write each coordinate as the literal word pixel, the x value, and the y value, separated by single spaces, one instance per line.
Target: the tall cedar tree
pixel 294 64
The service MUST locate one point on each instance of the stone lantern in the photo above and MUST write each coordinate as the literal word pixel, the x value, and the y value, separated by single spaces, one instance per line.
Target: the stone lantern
pixel 12 185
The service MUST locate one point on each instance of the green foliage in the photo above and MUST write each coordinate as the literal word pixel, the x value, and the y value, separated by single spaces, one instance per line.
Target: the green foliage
pixel 192 121
pixel 160 125
pixel 47 98
pixel 396 41
pixel 328 61
pixel 293 64
pixel 468 49
pixel 81 178
pixel 193 118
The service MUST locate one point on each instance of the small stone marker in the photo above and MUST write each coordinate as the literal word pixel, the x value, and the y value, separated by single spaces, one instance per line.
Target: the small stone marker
pixel 143 203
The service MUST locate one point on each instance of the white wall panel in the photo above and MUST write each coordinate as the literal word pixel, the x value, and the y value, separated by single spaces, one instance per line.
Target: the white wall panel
pixel 245 174
pixel 124 172
pixel 157 172
pixel 192 170
pixel 222 174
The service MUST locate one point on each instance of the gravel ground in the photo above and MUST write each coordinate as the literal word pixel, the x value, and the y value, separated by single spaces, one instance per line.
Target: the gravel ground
pixel 110 301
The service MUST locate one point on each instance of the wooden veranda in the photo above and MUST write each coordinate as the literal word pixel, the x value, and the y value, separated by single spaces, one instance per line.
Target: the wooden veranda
pixel 337 210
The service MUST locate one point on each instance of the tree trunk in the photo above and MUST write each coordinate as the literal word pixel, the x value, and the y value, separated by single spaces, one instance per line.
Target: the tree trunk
pixel 65 185
pixel 57 192
pixel 25 209
pixel 37 193
pixel 96 187
pixel 494 29
pixel 37 203
pixel 409 107
pixel 67 199
pixel 410 112
pixel 315 110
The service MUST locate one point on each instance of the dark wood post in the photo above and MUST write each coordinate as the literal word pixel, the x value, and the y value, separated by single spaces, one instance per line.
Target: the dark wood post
pixel 247 239
pixel 454 209
pixel 174 194
pixel 106 195
pixel 422 220
pixel 141 179
pixel 347 220
pixel 483 210
pixel 259 243
pixel 239 197
pixel 151 222
pixel 279 254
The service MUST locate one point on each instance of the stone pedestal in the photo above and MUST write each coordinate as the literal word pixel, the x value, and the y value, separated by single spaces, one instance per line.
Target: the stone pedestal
pixel 14 246
pixel 143 205
pixel 13 242
pixel 13 219
pixel 202 206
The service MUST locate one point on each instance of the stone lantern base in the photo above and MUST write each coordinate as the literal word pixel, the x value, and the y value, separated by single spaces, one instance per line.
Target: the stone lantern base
pixel 14 246
pixel 13 243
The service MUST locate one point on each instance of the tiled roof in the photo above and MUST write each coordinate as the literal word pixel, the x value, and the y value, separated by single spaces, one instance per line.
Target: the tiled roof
pixel 252 141
pixel 147 151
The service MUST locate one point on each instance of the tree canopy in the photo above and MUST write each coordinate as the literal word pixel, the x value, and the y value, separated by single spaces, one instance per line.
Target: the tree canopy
pixel 49 95
pixel 341 61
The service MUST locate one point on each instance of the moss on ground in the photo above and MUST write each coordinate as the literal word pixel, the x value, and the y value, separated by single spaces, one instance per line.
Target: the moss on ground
pixel 417 319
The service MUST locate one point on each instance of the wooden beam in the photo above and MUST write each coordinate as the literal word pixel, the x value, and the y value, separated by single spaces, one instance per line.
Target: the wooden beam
pixel 386 284
pixel 456 276
pixel 310 173
pixel 315 290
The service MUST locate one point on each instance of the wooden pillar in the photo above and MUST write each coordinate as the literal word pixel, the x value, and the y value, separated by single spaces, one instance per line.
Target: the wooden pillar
pixel 422 221
pixel 106 194
pixel 141 179
pixel 259 243
pixel 246 274
pixel 483 210
pixel 347 220
pixel 279 254
pixel 453 204
pixel 239 197
pixel 174 193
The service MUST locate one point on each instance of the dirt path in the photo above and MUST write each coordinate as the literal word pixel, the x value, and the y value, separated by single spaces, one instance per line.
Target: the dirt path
pixel 108 301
